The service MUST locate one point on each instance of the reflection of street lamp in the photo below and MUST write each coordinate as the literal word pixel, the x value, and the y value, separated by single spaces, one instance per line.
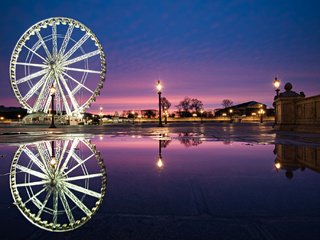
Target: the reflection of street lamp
pixel 160 162
pixel 231 112
pixel 53 161
pixel 276 84
pixel 52 93
pixel 277 165
pixel 159 88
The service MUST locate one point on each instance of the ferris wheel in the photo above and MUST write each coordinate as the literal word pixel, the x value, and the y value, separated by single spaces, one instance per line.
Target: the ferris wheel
pixel 58 185
pixel 61 53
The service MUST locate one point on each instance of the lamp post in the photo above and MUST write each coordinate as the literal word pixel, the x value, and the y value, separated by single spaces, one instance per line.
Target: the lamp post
pixel 261 112
pixel 100 115
pixel 201 116
pixel 19 116
pixel 159 87
pixel 276 84
pixel 132 112
pixel 52 93
pixel 231 111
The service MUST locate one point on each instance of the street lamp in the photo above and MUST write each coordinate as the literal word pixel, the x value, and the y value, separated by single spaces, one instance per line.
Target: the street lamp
pixel 231 111
pixel 159 87
pixel 261 112
pixel 201 116
pixel 52 93
pixel 132 112
pixel 100 115
pixel 19 116
pixel 276 84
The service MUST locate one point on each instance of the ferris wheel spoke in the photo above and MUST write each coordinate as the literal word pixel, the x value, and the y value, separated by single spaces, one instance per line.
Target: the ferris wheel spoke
pixel 47 104
pixel 34 159
pixel 43 92
pixel 66 161
pixel 54 40
pixel 65 145
pixel 35 53
pixel 32 64
pixel 83 177
pixel 77 202
pixel 32 172
pixel 77 82
pixel 64 99
pixel 79 164
pixel 82 70
pixel 30 184
pixel 71 96
pixel 44 203
pixel 34 196
pixel 76 89
pixel 76 46
pixel 58 102
pixel 44 157
pixel 66 206
pixel 32 76
pixel 80 58
pixel 66 40
pixel 34 88
pixel 83 190
pixel 44 45
pixel 55 206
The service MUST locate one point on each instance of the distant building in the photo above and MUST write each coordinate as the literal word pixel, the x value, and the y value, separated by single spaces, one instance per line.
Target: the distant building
pixel 243 109
pixel 147 113
pixel 12 112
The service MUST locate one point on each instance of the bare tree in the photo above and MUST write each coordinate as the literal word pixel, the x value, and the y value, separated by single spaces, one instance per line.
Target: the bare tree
pixel 184 106
pixel 165 104
pixel 196 104
pixel 227 103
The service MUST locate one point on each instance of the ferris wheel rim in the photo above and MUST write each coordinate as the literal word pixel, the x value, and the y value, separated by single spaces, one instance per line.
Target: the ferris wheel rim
pixel 35 30
pixel 36 220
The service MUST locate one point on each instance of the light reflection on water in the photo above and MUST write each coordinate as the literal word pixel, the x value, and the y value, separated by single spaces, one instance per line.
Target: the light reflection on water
pixel 188 175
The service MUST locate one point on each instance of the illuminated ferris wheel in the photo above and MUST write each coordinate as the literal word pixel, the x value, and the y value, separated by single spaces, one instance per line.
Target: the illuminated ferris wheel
pixel 61 53
pixel 58 185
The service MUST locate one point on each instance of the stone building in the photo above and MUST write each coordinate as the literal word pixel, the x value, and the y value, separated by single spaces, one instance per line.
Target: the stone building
pixel 295 112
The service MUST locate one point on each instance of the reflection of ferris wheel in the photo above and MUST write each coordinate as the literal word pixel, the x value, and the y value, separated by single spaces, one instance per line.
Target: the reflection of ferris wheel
pixel 58 186
pixel 58 52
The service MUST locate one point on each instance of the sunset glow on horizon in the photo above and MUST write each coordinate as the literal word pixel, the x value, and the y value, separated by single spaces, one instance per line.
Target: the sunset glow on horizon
pixel 209 50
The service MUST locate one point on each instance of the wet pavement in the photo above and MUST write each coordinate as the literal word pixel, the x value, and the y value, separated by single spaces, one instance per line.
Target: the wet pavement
pixel 249 132
pixel 184 181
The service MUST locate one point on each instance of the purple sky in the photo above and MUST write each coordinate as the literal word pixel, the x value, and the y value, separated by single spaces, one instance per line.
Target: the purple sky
pixel 208 50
